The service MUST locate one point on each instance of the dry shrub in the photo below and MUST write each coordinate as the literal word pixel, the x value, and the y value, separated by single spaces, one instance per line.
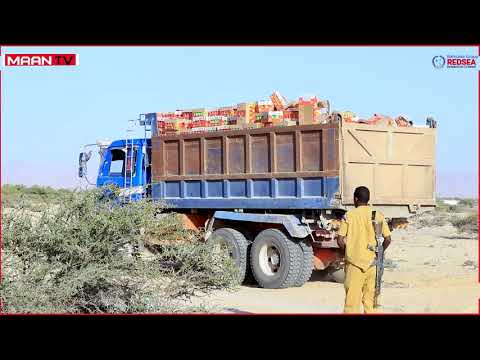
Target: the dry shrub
pixel 466 224
pixel 430 219
pixel 81 256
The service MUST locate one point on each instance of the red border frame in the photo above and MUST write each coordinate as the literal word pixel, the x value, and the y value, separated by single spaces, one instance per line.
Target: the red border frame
pixel 242 45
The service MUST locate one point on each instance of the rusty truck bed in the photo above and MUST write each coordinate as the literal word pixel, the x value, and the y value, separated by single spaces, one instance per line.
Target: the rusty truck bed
pixel 295 167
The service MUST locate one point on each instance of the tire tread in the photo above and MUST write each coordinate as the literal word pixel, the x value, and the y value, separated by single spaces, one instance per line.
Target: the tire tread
pixel 295 264
pixel 243 247
pixel 307 263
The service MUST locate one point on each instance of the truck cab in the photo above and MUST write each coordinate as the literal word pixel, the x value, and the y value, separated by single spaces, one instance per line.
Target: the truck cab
pixel 125 164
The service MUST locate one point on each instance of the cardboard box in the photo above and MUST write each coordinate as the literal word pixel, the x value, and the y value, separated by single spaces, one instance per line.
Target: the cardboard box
pixel 199 123
pixel 279 102
pixel 261 117
pixel 226 111
pixel 216 117
pixel 306 114
pixel 403 121
pixel 166 115
pixel 379 119
pixel 232 120
pixel 288 122
pixel 348 116
pixel 172 124
pixel 187 115
pixel 290 114
pixel 264 106
pixel 323 104
pixel 292 105
pixel 199 114
pixel 218 120
pixel 310 101
pixel 271 117
pixel 245 114
pixel 275 117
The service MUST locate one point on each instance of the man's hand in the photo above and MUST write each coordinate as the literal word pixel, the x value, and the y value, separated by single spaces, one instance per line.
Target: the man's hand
pixel 386 241
pixel 341 241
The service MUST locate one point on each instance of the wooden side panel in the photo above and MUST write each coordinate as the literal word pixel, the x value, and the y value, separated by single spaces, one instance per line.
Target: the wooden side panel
pixel 157 156
pixel 396 164
pixel 260 150
pixel 214 156
pixel 312 150
pixel 236 155
pixel 172 157
pixel 192 157
pixel 294 151
pixel 285 152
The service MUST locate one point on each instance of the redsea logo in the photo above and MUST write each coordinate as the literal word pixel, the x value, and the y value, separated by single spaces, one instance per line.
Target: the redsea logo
pixel 455 61
pixel 40 59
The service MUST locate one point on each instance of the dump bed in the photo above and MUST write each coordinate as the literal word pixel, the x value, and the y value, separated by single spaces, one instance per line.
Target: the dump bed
pixel 295 167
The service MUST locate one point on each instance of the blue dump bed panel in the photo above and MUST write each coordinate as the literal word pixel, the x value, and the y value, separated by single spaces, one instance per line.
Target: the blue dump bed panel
pixel 292 193
pixel 268 168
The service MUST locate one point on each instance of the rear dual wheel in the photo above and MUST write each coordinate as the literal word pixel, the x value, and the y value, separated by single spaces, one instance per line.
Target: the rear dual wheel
pixel 278 261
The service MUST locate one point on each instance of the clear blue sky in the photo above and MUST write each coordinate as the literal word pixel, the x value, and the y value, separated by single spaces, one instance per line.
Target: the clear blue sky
pixel 48 114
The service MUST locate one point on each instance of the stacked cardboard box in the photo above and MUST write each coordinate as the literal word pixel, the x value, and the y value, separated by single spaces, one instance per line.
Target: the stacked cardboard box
pixel 245 113
pixel 264 106
pixel 276 111
pixel 278 101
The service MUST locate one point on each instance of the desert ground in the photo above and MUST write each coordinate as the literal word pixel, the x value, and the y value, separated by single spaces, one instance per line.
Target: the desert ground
pixel 430 267
pixel 427 270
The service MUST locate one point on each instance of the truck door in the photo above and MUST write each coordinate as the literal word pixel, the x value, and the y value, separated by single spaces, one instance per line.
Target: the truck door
pixel 119 168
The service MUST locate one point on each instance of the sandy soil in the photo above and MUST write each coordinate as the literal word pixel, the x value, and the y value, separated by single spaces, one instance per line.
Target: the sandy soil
pixel 427 270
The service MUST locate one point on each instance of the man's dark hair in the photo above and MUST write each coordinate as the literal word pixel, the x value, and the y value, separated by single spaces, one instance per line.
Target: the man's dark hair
pixel 362 194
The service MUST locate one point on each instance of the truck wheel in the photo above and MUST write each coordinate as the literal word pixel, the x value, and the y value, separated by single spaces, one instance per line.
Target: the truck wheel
pixel 276 259
pixel 234 243
pixel 307 263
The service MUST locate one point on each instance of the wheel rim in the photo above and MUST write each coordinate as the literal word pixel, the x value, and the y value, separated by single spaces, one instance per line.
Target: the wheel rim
pixel 269 259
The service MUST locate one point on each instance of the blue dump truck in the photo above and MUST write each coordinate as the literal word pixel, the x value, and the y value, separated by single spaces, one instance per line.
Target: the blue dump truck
pixel 274 196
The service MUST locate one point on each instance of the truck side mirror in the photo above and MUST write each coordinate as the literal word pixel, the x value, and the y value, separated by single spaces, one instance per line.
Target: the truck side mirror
pixel 82 163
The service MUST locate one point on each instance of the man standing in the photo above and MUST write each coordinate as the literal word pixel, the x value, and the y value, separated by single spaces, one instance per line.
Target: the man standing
pixel 357 237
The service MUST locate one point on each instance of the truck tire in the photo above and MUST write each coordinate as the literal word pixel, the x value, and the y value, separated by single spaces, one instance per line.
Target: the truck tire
pixel 237 247
pixel 276 259
pixel 307 263
pixel 249 278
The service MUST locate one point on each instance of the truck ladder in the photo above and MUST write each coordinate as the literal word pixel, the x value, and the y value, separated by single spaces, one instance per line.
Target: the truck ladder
pixel 127 189
pixel 147 127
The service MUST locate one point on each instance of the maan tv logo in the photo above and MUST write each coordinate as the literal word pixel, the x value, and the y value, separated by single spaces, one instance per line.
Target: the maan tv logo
pixel 40 60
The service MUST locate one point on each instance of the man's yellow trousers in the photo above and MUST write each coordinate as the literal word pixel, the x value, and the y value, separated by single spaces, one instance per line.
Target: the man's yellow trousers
pixel 359 288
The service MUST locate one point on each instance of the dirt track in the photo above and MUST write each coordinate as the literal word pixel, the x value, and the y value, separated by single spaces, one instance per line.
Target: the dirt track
pixel 428 270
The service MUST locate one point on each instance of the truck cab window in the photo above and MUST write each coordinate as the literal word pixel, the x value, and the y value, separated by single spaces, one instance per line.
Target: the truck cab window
pixel 117 163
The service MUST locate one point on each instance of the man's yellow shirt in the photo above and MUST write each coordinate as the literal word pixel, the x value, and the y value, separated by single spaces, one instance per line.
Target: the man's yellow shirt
pixel 358 230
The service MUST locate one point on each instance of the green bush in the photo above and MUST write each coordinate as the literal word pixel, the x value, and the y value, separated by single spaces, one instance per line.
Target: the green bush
pixel 467 223
pixel 82 257
pixel 34 197
pixel 469 203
